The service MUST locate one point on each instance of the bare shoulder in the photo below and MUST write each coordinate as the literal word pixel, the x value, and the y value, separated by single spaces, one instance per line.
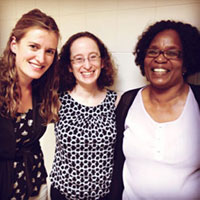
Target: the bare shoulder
pixel 119 94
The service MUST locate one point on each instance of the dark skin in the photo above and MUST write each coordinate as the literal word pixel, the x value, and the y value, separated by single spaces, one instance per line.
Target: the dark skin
pixel 164 98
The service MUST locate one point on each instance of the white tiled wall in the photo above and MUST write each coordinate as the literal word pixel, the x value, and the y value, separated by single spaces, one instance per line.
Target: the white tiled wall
pixel 117 22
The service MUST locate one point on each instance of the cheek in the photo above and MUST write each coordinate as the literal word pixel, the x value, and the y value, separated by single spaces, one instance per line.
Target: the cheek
pixel 177 66
pixel 147 68
pixel 180 66
pixel 72 69
pixel 19 59
pixel 50 59
pixel 147 61
pixel 147 64
pixel 146 72
pixel 23 56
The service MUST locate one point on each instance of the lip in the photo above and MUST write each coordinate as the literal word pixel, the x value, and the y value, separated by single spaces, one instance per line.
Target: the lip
pixel 36 66
pixel 87 73
pixel 160 70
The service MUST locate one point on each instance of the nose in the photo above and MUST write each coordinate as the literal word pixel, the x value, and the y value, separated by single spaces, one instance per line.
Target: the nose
pixel 87 64
pixel 40 56
pixel 161 58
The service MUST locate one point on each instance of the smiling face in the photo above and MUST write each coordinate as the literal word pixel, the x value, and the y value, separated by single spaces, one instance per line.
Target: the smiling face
pixel 34 53
pixel 162 72
pixel 86 62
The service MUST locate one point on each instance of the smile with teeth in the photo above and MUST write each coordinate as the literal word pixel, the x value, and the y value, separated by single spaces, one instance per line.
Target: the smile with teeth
pixel 159 70
pixel 36 66
pixel 87 73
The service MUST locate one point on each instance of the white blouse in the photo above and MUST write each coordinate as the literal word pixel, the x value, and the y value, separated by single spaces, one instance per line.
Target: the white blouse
pixel 162 159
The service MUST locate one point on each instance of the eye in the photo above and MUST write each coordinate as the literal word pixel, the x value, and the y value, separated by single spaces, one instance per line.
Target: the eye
pixel 152 52
pixel 33 46
pixel 93 57
pixel 172 53
pixel 51 51
pixel 79 59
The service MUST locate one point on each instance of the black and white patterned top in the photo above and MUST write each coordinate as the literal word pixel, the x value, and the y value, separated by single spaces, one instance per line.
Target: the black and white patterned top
pixel 23 127
pixel 85 138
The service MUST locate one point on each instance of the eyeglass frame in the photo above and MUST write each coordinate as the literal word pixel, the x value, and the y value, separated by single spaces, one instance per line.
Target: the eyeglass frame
pixel 163 52
pixel 85 58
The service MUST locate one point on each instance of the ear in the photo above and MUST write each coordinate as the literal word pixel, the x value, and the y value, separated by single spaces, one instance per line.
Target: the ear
pixel 102 65
pixel 70 69
pixel 184 70
pixel 13 44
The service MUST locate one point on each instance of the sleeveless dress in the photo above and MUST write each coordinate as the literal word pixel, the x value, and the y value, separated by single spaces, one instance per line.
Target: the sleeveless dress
pixel 85 138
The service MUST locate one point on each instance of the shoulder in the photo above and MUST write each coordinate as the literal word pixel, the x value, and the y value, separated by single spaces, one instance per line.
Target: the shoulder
pixel 129 96
pixel 196 91
pixel 63 95
pixel 195 87
pixel 126 97
pixel 6 123
pixel 116 96
pixel 126 101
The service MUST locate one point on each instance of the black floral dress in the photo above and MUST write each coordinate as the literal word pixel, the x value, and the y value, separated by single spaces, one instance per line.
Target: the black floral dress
pixel 26 173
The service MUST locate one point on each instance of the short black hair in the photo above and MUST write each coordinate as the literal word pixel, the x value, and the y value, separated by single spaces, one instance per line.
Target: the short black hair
pixel 190 40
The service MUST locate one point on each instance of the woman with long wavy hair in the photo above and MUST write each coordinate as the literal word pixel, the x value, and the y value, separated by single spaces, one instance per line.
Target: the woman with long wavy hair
pixel 28 102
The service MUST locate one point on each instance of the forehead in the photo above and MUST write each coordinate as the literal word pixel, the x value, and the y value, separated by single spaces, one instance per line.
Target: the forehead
pixel 84 45
pixel 167 38
pixel 40 35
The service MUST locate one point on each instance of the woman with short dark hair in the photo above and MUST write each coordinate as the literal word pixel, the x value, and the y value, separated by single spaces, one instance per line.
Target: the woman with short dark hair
pixel 158 140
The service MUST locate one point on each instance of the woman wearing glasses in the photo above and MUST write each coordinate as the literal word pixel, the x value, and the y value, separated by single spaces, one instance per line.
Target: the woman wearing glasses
pixel 86 131
pixel 158 137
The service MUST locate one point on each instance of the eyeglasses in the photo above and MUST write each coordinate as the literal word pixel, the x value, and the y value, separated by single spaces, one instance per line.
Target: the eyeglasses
pixel 171 54
pixel 79 60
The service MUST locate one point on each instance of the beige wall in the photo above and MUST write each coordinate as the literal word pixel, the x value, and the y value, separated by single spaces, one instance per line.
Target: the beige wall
pixel 117 22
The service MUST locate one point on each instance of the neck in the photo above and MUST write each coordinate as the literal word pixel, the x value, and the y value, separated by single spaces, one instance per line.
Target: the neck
pixel 26 96
pixel 25 84
pixel 89 96
pixel 157 95
pixel 86 91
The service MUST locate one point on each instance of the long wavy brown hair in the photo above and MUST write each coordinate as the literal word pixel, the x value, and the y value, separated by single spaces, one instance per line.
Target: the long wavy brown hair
pixel 45 88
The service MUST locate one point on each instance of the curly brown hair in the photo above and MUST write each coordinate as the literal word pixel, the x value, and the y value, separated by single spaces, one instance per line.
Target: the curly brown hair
pixel 67 79
pixel 46 86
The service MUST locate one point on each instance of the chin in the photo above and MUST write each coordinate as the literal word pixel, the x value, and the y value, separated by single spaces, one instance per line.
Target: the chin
pixel 161 86
pixel 36 77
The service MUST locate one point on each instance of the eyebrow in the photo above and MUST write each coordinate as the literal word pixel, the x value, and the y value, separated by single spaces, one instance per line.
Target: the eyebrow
pixel 52 49
pixel 88 54
pixel 37 44
pixel 168 47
